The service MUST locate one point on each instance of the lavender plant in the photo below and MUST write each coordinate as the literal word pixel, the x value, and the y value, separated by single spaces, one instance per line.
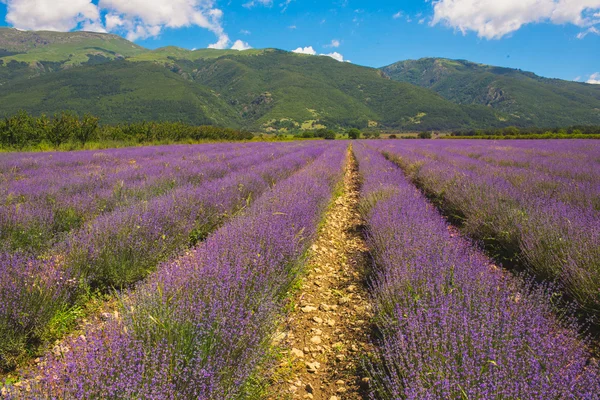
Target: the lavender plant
pixel 452 324
pixel 533 203
pixel 199 326
pixel 122 247
pixel 39 205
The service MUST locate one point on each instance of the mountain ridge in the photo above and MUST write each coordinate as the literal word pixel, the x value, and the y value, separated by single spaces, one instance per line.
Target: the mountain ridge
pixel 259 89
pixel 533 99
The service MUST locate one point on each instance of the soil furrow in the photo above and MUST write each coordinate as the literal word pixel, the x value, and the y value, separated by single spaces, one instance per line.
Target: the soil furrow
pixel 327 334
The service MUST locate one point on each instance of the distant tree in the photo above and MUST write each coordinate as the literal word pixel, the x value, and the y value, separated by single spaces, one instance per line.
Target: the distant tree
pixel 376 135
pixel 329 135
pixel 392 137
pixel 19 130
pixel 64 127
pixel 354 133
pixel 511 131
pixel 425 135
pixel 307 135
pixel 87 128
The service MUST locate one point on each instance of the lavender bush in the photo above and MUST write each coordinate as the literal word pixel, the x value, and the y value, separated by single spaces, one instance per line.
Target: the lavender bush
pixel 42 200
pixel 31 293
pixel 536 203
pixel 452 324
pixel 199 326
pixel 122 247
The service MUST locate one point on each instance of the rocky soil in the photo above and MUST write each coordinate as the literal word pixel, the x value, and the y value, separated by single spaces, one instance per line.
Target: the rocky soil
pixel 328 331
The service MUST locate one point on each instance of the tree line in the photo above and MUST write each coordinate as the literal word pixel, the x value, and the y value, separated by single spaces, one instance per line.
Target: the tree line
pixel 23 131
pixel 575 131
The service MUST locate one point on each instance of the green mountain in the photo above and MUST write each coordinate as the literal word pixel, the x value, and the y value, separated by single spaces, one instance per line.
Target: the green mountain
pixel 271 90
pixel 524 96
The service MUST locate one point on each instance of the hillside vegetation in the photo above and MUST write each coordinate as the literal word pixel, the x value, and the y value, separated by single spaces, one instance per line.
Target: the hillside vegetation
pixel 530 99
pixel 262 90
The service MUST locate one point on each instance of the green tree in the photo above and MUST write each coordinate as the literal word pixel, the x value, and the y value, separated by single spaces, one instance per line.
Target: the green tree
pixel 86 129
pixel 20 130
pixel 354 133
pixel 425 135
pixel 64 127
pixel 329 135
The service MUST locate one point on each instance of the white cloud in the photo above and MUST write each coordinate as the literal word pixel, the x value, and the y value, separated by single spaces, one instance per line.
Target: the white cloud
pixel 147 18
pixel 305 50
pixel 254 3
pixel 591 30
pixel 594 79
pixel 220 44
pixel 240 45
pixel 267 3
pixel 245 32
pixel 577 79
pixel 335 55
pixel 52 15
pixel 334 43
pixel 292 27
pixel 493 19
pixel 397 15
pixel 284 6
pixel 311 51
pixel 135 19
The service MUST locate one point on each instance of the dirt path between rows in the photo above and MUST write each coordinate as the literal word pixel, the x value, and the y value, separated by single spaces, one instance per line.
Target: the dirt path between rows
pixel 327 334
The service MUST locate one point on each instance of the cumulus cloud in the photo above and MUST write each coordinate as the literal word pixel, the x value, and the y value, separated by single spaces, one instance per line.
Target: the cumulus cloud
pixel 336 56
pixel 140 19
pixel 493 19
pixel 240 45
pixel 594 79
pixel 311 51
pixel 135 19
pixel 55 15
pixel 305 50
pixel 397 15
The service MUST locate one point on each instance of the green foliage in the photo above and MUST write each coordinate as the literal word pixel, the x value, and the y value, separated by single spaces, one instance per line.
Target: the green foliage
pixel 120 82
pixel 326 134
pixel 425 135
pixel 25 131
pixel 354 133
pixel 254 89
pixel 577 131
pixel 527 99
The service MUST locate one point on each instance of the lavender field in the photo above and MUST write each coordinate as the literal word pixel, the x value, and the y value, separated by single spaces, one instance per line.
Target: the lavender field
pixel 482 270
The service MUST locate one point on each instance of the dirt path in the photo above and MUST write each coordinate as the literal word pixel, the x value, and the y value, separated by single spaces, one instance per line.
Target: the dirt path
pixel 327 333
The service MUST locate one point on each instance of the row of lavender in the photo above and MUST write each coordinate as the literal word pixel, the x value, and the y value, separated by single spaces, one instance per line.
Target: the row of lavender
pixel 452 324
pixel 201 324
pixel 535 203
pixel 43 197
pixel 119 248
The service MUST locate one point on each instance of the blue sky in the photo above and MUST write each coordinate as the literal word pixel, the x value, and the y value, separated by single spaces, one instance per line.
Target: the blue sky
pixel 554 38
